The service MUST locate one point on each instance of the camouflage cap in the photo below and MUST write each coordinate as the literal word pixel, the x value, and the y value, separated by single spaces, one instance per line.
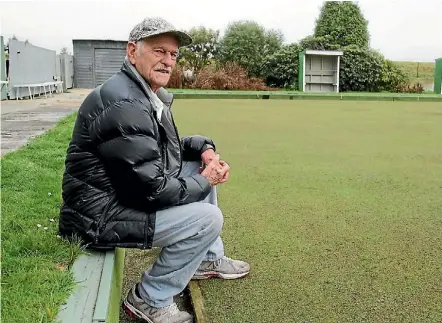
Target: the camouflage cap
pixel 156 26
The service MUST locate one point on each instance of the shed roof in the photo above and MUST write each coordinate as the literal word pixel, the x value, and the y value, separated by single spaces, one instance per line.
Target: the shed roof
pixel 324 52
pixel 99 40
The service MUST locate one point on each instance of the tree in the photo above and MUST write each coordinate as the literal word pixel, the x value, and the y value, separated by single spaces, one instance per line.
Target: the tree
pixel 344 23
pixel 248 43
pixel 64 50
pixel 318 43
pixel 203 49
pixel 273 41
pixel 280 69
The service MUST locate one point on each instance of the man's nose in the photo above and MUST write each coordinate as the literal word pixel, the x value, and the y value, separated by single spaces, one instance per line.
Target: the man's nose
pixel 167 59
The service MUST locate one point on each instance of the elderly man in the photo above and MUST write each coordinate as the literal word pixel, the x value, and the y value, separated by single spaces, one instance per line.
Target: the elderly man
pixel 131 182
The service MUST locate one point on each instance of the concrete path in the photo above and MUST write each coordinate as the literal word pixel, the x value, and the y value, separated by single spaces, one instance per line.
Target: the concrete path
pixel 25 119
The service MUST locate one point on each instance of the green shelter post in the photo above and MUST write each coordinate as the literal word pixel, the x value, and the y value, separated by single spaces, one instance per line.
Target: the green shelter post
pixel 301 71
pixel 438 76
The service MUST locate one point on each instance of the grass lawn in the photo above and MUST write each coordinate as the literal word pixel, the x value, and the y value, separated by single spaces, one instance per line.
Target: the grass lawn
pixel 336 205
pixel 35 275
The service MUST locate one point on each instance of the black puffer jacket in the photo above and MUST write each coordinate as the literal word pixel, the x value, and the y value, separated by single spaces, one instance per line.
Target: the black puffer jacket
pixel 123 165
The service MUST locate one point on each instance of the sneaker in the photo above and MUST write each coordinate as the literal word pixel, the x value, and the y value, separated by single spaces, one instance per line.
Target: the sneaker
pixel 224 268
pixel 135 307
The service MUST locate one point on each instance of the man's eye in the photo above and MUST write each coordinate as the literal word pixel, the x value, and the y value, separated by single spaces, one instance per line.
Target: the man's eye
pixel 159 51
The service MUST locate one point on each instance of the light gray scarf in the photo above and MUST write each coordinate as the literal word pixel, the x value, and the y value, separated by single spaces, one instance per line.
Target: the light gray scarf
pixel 157 104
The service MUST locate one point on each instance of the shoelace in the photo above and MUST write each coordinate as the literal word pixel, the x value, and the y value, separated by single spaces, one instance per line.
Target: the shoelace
pixel 171 309
pixel 217 263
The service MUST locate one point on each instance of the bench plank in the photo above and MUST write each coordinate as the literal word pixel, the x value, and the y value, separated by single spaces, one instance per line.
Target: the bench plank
pixel 104 290
pixel 107 308
pixel 87 270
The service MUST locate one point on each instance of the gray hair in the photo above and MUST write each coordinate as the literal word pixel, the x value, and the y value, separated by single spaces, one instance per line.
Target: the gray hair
pixel 140 44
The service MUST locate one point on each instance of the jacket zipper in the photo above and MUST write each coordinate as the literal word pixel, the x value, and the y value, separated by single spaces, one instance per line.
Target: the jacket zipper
pixel 178 137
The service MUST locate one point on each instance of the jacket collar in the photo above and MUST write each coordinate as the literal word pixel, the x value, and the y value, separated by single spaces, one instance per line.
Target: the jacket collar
pixel 165 96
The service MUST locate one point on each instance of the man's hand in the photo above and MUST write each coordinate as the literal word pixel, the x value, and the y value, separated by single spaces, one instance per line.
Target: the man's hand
pixel 226 176
pixel 207 156
pixel 215 172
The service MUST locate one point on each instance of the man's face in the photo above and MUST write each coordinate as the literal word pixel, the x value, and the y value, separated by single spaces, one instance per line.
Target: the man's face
pixel 154 59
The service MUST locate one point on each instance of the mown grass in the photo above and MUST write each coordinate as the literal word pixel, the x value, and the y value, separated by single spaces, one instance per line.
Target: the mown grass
pixel 35 263
pixel 336 205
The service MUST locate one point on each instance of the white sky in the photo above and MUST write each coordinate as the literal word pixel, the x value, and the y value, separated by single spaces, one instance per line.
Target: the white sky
pixel 401 30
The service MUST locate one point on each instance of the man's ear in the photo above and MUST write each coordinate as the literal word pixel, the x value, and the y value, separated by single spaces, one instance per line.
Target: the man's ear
pixel 131 51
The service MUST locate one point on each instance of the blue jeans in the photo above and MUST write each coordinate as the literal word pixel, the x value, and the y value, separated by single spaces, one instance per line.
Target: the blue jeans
pixel 188 235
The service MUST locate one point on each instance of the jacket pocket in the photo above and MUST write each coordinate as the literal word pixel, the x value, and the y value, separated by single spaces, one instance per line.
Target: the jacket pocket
pixel 104 218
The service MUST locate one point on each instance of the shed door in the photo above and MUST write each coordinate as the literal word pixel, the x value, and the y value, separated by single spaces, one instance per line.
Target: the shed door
pixel 107 62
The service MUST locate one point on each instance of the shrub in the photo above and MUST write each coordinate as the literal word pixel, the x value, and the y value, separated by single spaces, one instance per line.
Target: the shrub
pixel 176 79
pixel 406 88
pixel 360 70
pixel 392 77
pixel 230 76
pixel 367 70
pixel 281 68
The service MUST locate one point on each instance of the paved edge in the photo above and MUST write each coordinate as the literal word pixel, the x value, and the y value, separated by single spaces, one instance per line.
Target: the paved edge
pixel 197 300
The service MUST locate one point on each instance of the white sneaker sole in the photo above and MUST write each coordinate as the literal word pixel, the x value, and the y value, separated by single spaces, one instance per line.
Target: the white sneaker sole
pixel 214 274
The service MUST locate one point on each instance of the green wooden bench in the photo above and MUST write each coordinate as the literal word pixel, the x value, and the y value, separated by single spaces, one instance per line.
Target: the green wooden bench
pixel 97 294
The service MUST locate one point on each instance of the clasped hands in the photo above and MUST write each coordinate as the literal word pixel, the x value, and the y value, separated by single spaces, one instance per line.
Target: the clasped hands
pixel 215 170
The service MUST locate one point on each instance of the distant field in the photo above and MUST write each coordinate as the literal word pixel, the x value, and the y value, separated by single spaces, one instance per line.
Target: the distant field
pixel 415 69
pixel 418 72
pixel 337 206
